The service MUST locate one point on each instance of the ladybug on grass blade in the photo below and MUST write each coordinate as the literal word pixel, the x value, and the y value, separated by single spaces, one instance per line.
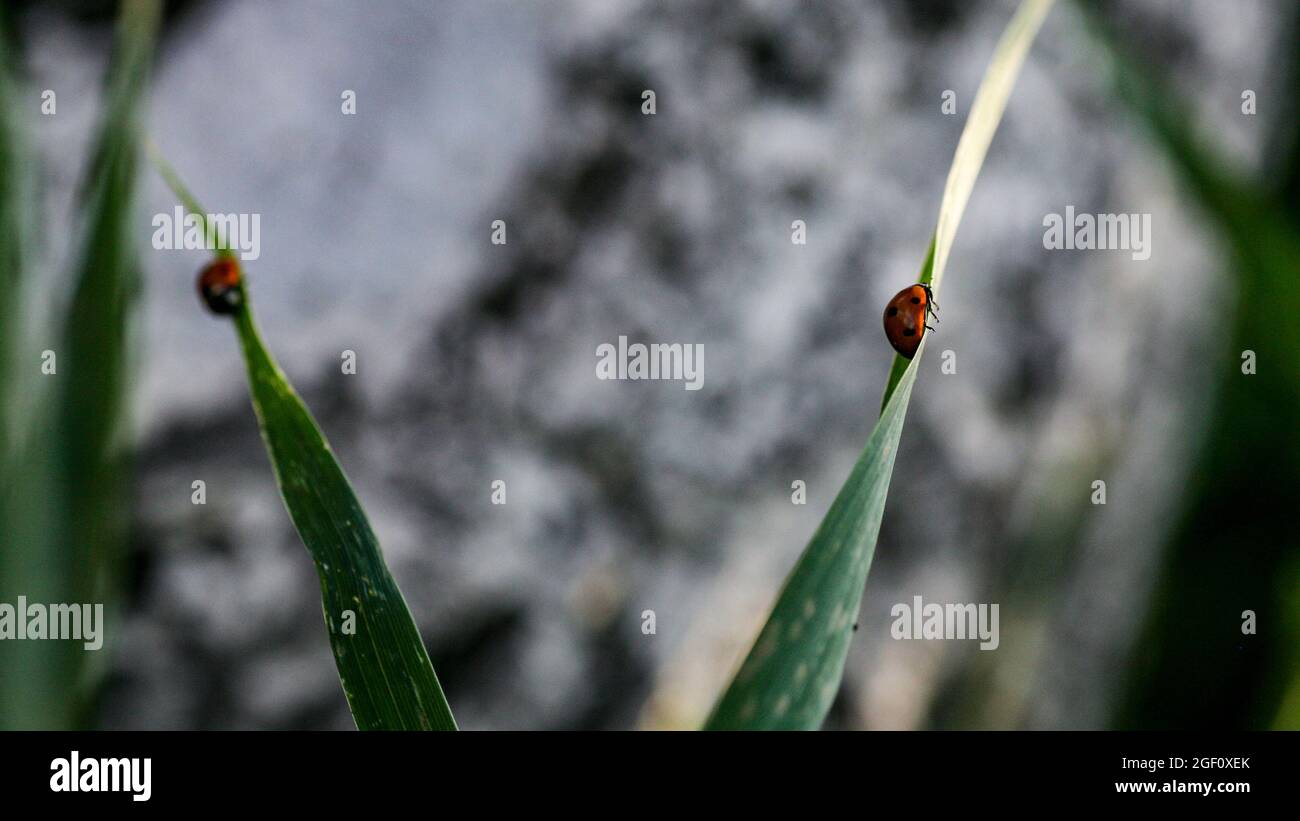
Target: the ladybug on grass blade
pixel 905 317
pixel 220 286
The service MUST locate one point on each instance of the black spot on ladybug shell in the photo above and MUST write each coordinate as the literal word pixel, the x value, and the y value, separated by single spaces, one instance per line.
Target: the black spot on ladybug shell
pixel 222 299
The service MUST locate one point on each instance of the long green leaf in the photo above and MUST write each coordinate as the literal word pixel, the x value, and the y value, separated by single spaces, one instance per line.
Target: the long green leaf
pixel 63 500
pixel 1172 681
pixel 383 666
pixel 25 700
pixel 385 671
pixel 15 207
pixel 94 357
pixel 794 669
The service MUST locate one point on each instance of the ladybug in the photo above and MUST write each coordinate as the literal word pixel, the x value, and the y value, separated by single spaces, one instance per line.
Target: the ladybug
pixel 905 318
pixel 220 286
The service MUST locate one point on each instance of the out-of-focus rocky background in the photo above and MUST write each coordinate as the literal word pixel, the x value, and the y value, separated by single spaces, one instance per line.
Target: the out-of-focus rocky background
pixel 477 362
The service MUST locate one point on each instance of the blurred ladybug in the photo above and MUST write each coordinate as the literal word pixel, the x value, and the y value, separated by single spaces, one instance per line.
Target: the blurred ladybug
pixel 220 286
pixel 905 318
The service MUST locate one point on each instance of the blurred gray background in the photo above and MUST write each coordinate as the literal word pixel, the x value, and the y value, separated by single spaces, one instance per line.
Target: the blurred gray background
pixel 477 362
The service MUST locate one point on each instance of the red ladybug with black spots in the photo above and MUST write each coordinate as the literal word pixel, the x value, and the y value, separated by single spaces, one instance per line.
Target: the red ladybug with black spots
pixel 905 318
pixel 220 285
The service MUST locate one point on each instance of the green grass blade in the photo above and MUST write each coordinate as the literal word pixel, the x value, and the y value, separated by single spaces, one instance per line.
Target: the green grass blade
pixel 1174 680
pixel 26 700
pixel 985 115
pixel 15 199
pixel 385 671
pixel 383 666
pixel 63 504
pixel 93 355
pixel 793 671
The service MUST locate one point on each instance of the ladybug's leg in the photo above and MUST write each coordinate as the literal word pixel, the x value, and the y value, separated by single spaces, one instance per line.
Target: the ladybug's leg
pixel 930 304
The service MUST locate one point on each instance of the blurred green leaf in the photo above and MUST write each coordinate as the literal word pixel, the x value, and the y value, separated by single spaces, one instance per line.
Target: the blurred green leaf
pixel 15 207
pixel 63 505
pixel 24 698
pixel 94 355
pixel 1234 547
pixel 793 671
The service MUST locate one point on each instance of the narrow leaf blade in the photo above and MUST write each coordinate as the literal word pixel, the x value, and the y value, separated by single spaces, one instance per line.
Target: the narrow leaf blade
pixel 385 671
pixel 62 500
pixel 383 666
pixel 794 669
